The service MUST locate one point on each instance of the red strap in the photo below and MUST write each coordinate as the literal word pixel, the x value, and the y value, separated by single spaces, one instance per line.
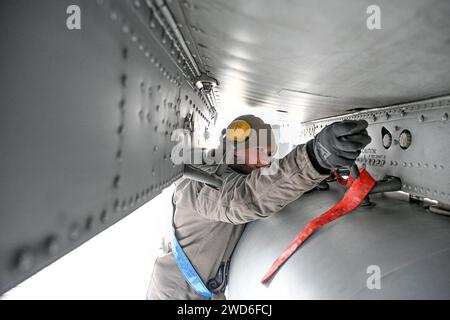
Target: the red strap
pixel 353 197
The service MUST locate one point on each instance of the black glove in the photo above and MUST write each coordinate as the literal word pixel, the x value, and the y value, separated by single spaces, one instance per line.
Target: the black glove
pixel 338 145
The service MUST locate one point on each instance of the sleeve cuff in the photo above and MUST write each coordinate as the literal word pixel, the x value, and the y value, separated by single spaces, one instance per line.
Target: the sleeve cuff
pixel 313 160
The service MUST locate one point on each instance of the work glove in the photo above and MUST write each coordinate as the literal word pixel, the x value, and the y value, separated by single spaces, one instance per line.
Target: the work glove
pixel 338 145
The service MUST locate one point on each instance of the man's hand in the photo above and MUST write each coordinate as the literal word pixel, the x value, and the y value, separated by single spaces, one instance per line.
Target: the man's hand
pixel 339 144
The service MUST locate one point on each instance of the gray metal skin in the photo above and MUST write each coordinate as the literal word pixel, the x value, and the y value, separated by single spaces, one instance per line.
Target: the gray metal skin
pixel 424 166
pixel 86 118
pixel 315 59
pixel 86 115
pixel 410 245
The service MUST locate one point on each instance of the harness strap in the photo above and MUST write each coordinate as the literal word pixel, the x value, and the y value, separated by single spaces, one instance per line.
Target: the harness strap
pixel 188 270
pixel 359 189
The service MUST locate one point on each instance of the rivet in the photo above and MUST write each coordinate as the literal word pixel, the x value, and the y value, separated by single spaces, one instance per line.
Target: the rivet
pixel 421 118
pixel 403 113
pixel 119 155
pixel 74 232
pixel 125 53
pixel 116 208
pixel 445 117
pixel 89 223
pixel 25 260
pixel 51 246
pixel 122 103
pixel 125 28
pixel 120 129
pixel 123 80
pixel 116 182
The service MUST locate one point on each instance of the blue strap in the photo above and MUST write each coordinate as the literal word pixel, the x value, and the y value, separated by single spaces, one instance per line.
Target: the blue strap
pixel 188 271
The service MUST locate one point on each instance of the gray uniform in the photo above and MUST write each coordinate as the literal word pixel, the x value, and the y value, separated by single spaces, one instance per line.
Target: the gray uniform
pixel 209 222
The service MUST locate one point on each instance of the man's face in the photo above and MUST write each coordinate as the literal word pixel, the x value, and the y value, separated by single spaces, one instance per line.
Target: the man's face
pixel 255 158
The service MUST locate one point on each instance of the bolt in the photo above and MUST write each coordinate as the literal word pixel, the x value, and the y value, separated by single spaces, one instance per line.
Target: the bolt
pixel 445 117
pixel 421 118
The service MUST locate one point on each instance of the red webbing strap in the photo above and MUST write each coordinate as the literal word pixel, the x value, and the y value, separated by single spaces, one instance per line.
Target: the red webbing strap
pixel 359 189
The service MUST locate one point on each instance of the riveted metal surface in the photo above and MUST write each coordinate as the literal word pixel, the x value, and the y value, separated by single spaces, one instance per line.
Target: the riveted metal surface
pixel 409 245
pixel 424 165
pixel 82 113
pixel 316 59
